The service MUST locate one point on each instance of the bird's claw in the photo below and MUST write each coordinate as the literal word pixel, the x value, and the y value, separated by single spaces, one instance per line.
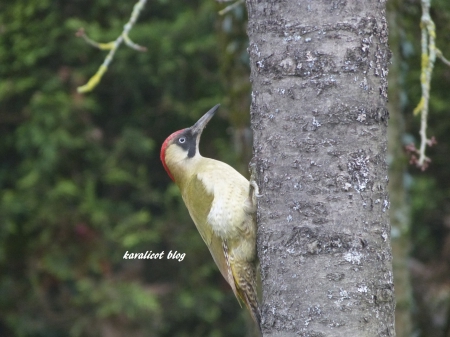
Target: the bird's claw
pixel 255 189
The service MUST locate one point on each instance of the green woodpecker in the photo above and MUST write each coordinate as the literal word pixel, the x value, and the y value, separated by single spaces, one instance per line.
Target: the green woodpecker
pixel 221 203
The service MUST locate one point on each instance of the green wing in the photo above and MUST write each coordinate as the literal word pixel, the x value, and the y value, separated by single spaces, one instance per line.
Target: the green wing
pixel 199 204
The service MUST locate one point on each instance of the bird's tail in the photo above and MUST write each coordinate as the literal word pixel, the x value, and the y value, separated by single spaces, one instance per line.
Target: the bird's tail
pixel 253 307
pixel 245 281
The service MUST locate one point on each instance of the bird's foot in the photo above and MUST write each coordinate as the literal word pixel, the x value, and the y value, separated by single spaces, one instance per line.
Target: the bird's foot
pixel 252 170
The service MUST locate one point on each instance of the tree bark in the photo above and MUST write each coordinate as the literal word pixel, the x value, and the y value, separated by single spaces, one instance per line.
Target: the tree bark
pixel 319 88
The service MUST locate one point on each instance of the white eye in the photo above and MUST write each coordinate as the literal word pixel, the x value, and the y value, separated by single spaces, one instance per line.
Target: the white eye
pixel 182 140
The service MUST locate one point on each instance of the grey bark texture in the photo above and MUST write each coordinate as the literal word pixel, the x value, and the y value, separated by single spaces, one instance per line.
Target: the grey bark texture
pixel 319 89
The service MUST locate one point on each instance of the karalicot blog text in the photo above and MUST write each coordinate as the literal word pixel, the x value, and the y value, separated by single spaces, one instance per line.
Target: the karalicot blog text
pixel 149 255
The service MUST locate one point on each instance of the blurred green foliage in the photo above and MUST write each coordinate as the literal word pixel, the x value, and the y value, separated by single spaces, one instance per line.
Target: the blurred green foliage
pixel 80 176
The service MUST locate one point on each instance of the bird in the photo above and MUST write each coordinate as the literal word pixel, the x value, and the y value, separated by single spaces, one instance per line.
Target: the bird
pixel 222 205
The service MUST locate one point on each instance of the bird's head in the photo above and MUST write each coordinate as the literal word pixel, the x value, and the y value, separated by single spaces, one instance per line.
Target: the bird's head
pixel 182 145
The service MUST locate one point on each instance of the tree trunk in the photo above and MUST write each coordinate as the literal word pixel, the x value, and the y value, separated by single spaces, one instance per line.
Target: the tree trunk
pixel 318 72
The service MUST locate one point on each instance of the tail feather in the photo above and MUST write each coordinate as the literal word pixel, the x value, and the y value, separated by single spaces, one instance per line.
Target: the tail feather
pixel 253 307
pixel 245 284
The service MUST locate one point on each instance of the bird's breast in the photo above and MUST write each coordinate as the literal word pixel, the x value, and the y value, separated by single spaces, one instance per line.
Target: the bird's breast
pixel 229 190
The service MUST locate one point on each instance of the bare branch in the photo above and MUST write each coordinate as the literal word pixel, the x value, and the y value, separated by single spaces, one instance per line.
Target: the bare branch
pixel 102 46
pixel 428 59
pixel 112 47
pixel 441 56
pixel 429 53
pixel 230 7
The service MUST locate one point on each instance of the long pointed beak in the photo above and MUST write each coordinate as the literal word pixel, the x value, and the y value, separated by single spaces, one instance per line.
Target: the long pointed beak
pixel 198 127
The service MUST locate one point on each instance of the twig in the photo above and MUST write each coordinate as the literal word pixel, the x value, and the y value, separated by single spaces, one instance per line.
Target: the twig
pixel 230 7
pixel 112 47
pixel 441 56
pixel 103 46
pixel 429 53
